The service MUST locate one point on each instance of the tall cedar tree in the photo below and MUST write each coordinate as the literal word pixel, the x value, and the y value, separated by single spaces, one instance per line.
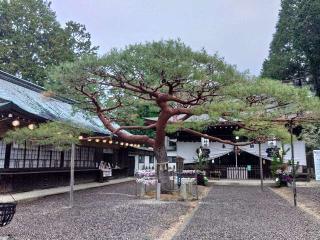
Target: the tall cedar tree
pixel 295 48
pixel 285 61
pixel 307 37
pixel 31 39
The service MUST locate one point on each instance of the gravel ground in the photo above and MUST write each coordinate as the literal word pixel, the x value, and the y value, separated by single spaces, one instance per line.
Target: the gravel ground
pixel 307 198
pixel 242 212
pixel 310 196
pixel 111 212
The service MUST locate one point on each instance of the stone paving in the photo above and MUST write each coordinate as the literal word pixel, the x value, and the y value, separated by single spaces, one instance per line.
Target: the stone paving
pixel 244 212
pixel 111 212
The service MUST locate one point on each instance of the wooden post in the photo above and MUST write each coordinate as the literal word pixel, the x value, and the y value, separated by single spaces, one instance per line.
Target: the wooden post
pixel 73 154
pixel 7 156
pixel 261 169
pixel 294 189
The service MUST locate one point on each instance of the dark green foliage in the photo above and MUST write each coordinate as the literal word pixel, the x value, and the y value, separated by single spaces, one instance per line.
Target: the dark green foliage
pixel 295 48
pixel 142 110
pixel 31 39
pixel 278 160
pixel 311 134
pixel 307 37
pixel 285 61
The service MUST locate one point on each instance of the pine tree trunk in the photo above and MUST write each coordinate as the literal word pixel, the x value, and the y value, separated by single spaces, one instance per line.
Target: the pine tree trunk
pixel 162 168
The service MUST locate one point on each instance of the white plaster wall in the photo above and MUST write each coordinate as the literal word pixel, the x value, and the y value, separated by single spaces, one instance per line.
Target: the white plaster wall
pixel 187 150
pixel 299 152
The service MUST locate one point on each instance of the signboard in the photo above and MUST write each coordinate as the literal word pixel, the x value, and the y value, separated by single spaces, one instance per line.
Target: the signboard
pixel 249 168
pixel 205 142
pixel 316 158
pixel 107 172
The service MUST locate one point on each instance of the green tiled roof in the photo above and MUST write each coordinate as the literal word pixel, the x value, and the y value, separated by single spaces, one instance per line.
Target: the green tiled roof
pixel 28 97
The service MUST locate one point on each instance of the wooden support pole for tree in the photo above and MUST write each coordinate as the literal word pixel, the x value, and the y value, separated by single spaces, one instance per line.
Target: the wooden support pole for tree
pixel 261 169
pixel 236 155
pixel 73 153
pixel 294 189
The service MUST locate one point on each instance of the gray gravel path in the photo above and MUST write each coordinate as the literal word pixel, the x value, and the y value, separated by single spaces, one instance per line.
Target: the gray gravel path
pixel 111 212
pixel 309 193
pixel 242 212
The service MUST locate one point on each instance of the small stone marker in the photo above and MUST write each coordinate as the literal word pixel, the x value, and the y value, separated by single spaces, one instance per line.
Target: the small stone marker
pixel 158 191
pixel 183 192
pixel 141 189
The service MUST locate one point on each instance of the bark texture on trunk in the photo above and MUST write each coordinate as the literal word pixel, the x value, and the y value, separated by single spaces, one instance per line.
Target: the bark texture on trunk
pixel 159 148
pixel 162 168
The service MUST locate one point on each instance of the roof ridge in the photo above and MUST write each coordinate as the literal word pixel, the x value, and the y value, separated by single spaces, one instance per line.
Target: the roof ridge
pixel 21 82
pixel 30 85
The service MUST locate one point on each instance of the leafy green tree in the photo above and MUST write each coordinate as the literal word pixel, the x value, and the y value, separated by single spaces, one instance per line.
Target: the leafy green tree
pixel 178 81
pixel 31 39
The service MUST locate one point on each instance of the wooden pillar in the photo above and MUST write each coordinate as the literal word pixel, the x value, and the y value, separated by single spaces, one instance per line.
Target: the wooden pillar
pixel 294 188
pixel 50 159
pixel 38 156
pixel 73 153
pixel 61 159
pixel 24 154
pixel 7 156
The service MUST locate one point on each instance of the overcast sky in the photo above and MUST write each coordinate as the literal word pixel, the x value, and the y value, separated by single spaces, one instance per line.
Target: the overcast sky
pixel 239 30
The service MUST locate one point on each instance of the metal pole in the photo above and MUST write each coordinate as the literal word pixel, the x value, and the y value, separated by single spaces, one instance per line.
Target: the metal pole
pixel 294 189
pixel 261 169
pixel 73 153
